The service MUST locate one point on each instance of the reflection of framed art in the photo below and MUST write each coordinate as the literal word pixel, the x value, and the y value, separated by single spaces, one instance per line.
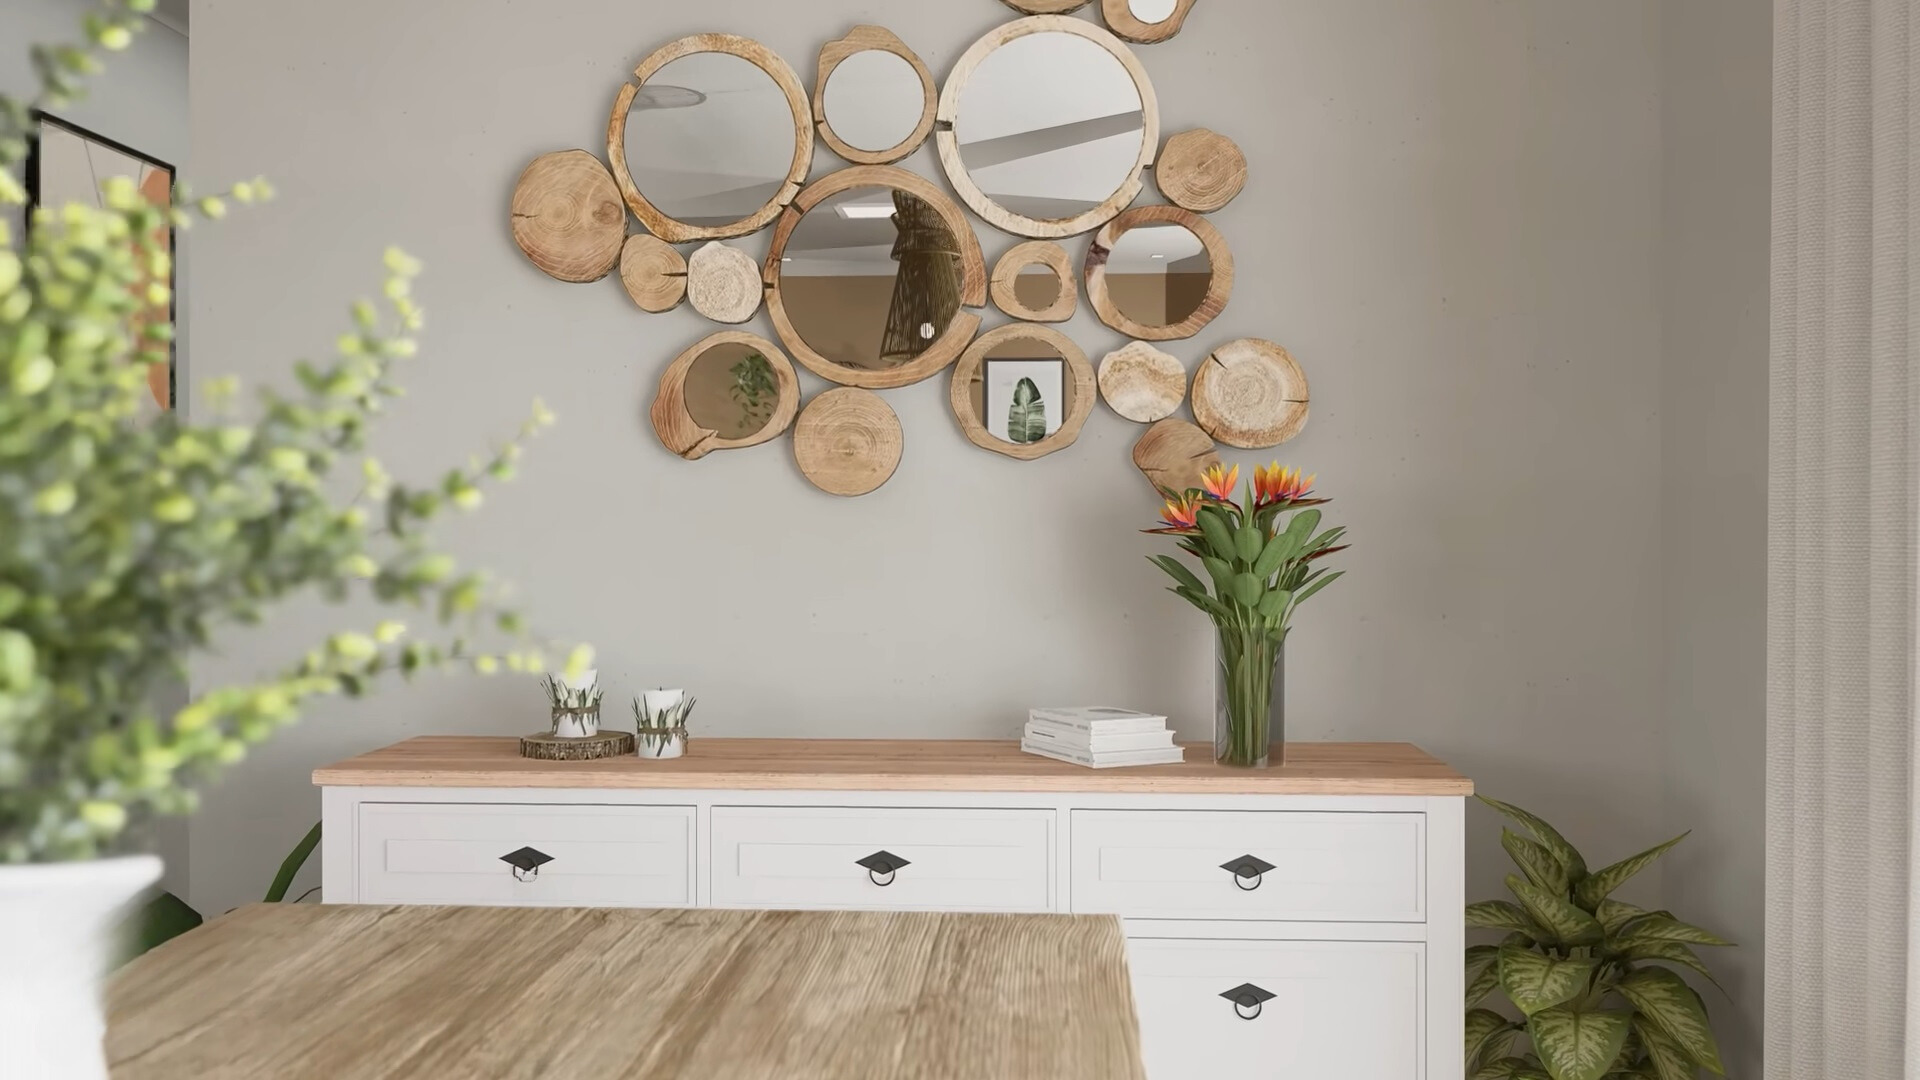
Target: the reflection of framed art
pixel 67 164
pixel 1025 399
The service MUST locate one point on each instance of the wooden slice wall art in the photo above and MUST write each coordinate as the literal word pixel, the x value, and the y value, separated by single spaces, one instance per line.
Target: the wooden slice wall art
pixel 1142 383
pixel 1220 268
pixel 722 283
pixel 1250 393
pixel 657 221
pixel 1200 170
pixel 964 392
pixel 1004 288
pixel 1121 19
pixel 973 278
pixel 677 427
pixel 863 39
pixel 847 441
pixel 567 216
pixel 1173 454
pixel 654 274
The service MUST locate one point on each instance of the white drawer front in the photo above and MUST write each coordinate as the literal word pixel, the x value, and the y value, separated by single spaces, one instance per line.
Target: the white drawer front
pixel 808 857
pixel 1351 1010
pixel 1327 867
pixel 449 853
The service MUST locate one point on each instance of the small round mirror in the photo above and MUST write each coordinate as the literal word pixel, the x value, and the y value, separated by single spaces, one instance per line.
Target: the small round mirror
pixel 1152 11
pixel 873 100
pixel 731 390
pixel 1158 275
pixel 1025 394
pixel 1037 287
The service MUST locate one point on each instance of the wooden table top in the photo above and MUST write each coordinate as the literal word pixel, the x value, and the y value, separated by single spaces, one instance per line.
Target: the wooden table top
pixel 296 991
pixel 895 765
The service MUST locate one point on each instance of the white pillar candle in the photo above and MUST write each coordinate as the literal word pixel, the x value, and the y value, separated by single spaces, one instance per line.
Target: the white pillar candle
pixel 659 701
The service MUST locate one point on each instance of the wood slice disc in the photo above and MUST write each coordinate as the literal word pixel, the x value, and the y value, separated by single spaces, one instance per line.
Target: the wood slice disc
pixel 1142 383
pixel 653 272
pixel 568 217
pixel 548 747
pixel 1173 454
pixel 847 441
pixel 1250 393
pixel 1200 170
pixel 723 283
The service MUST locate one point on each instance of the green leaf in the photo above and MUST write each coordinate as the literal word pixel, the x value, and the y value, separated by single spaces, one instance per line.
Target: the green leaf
pixel 1666 1000
pixel 1247 589
pixel 1577 1045
pixel 1564 923
pixel 1502 915
pixel 1277 551
pixel 1664 1056
pixel 1300 597
pixel 1480 981
pixel 1596 886
pixel 1671 952
pixel 1178 571
pixel 1302 526
pixel 292 863
pixel 1614 914
pixel 1221 572
pixel 1536 861
pixel 1027 415
pixel 1659 926
pixel 1481 1026
pixel 155 923
pixel 1510 1068
pixel 1248 542
pixel 1213 526
pixel 1273 606
pixel 1569 857
pixel 1536 981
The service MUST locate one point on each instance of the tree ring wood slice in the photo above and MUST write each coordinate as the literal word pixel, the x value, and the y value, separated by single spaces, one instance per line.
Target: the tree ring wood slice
pixel 847 441
pixel 567 216
pixel 723 283
pixel 1251 394
pixel 655 275
pixel 1200 170
pixel 1173 454
pixel 1004 286
pixel 544 746
pixel 1142 383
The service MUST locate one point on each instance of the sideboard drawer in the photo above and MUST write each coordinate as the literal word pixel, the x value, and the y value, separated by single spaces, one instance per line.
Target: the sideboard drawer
pixel 953 860
pixel 450 853
pixel 1326 867
pixel 1345 1009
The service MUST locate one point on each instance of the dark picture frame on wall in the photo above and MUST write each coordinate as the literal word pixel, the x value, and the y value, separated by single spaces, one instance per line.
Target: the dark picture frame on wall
pixel 67 163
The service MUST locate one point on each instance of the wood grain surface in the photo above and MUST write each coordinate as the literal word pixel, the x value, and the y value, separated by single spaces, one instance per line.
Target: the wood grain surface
pixel 682 434
pixel 1173 454
pixel 1120 17
pixel 847 441
pixel 1251 394
pixel 1219 268
pixel 1142 383
pixel 653 272
pixel 566 216
pixel 1004 286
pixel 896 765
pixel 865 39
pixel 723 283
pixel 1200 170
pixel 309 991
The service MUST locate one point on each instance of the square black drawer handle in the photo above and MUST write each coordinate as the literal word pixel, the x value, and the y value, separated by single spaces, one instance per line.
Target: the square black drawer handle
pixel 526 862
pixel 1247 868
pixel 1247 1000
pixel 882 865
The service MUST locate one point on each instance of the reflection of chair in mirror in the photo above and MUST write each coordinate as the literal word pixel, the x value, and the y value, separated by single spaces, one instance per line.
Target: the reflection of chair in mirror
pixel 926 291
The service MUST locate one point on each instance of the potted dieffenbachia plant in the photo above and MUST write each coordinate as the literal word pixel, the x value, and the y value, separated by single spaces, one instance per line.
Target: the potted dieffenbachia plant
pixel 129 542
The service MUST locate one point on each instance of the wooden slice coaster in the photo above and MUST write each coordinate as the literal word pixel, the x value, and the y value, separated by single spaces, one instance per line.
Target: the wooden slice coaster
pixel 1173 454
pixel 654 274
pixel 1142 383
pixel 568 217
pixel 723 283
pixel 847 441
pixel 543 746
pixel 1200 170
pixel 1251 394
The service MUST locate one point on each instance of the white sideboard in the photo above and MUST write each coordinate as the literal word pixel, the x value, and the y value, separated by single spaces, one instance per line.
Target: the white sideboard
pixel 1298 922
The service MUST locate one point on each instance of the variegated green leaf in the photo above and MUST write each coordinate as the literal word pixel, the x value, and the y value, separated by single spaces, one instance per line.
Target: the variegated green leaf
pixel 1564 923
pixel 1596 886
pixel 1665 1059
pixel 1659 926
pixel 1480 983
pixel 1577 1045
pixel 1665 999
pixel 1501 915
pixel 1511 1068
pixel 1535 861
pixel 1568 855
pixel 1671 952
pixel 1482 1025
pixel 1536 981
pixel 1614 914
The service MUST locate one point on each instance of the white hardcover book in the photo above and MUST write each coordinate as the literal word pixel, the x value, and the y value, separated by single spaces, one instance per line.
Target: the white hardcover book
pixel 1048 732
pixel 1100 719
pixel 1172 755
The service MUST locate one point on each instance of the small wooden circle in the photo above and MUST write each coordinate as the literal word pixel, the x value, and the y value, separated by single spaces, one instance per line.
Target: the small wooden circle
pixel 676 427
pixel 567 217
pixel 864 39
pixel 544 746
pixel 1006 275
pixel 1120 17
pixel 723 283
pixel 1142 383
pixel 847 441
pixel 1173 454
pixel 1219 261
pixel 1250 393
pixel 968 373
pixel 655 275
pixel 1200 170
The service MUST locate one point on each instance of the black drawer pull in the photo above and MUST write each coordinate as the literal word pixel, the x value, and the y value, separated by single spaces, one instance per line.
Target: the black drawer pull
pixel 526 862
pixel 882 865
pixel 1247 999
pixel 1247 868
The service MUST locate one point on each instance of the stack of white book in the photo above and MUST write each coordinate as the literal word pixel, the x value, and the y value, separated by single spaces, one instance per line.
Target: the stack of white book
pixel 1100 736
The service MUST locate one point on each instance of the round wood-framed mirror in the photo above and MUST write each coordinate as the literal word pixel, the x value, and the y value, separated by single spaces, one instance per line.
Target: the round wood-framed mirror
pixel 869 274
pixel 731 389
pixel 1034 281
pixel 721 134
pixel 1158 273
pixel 1146 22
pixel 1052 87
pixel 871 80
pixel 1022 390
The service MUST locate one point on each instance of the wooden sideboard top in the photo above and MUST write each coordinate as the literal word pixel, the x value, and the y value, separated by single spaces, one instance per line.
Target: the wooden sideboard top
pixel 296 991
pixel 895 765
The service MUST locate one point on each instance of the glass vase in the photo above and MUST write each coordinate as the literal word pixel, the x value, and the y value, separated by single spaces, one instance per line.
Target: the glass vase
pixel 1249 699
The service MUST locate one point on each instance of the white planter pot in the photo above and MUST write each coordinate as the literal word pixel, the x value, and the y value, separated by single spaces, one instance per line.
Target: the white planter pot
pixel 56 939
pixel 670 747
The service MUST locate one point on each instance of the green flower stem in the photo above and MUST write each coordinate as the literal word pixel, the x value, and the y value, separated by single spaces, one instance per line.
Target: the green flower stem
pixel 1248 659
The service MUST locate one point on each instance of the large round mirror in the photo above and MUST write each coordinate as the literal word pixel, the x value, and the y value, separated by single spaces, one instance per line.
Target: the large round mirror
pixel 1052 119
pixel 874 101
pixel 1158 272
pixel 731 389
pixel 711 138
pixel 871 269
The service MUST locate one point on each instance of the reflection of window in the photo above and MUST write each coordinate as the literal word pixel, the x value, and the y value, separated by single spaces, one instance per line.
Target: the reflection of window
pixel 926 290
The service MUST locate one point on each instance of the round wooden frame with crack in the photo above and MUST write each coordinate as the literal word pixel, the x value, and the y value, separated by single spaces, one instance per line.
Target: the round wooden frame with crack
pixel 1219 259
pixel 1006 273
pixel 872 39
pixel 968 372
pixel 1122 21
pixel 676 427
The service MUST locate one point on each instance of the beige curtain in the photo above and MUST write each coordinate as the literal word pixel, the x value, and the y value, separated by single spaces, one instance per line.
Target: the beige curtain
pixel 1841 885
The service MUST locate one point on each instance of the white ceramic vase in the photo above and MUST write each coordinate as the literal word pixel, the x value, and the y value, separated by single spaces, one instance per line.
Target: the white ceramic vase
pixel 57 924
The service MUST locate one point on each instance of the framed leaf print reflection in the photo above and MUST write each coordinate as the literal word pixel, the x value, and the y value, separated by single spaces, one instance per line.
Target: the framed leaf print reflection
pixel 67 165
